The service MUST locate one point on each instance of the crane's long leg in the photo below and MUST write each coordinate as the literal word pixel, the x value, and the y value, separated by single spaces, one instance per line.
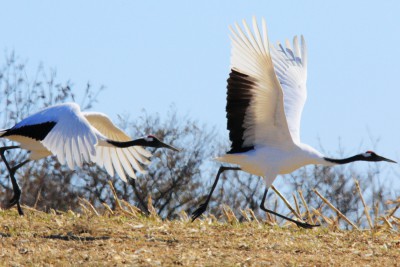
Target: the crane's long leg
pixel 17 190
pixel 300 224
pixel 15 199
pixel 133 184
pixel 203 206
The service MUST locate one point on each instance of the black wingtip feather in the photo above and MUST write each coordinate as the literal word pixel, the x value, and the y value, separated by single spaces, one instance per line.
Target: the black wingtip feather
pixel 239 95
pixel 35 131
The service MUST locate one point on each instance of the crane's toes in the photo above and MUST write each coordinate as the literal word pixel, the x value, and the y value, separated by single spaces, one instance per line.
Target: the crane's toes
pixel 20 212
pixel 197 213
pixel 307 225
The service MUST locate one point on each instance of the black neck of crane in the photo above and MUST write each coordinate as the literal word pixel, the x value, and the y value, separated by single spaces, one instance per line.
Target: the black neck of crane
pixel 137 142
pixel 346 160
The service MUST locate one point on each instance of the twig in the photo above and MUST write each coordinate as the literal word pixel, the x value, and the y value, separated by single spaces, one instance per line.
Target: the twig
pixel 395 220
pixel 366 208
pixel 150 207
pixel 117 201
pixel 297 205
pixel 393 211
pixel 108 208
pixel 245 215
pixel 287 203
pixel 229 215
pixel 305 205
pixel 376 210
pixel 393 201
pixel 37 197
pixel 254 216
pixel 336 210
pixel 84 208
pixel 326 219
pixel 90 206
pixel 115 195
pixel 387 222
pixel 184 216
pixel 133 209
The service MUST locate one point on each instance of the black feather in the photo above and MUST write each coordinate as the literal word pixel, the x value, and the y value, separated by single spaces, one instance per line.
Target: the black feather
pixel 35 131
pixel 239 95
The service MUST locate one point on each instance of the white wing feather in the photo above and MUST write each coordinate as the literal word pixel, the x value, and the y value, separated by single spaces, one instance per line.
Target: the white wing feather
pixel 122 160
pixel 78 137
pixel 70 137
pixel 265 121
pixel 291 69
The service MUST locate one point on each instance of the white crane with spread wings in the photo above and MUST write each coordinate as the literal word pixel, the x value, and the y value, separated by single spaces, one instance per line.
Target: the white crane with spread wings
pixel 265 98
pixel 75 137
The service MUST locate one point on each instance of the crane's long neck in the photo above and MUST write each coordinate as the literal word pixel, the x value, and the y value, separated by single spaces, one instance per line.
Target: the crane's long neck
pixel 146 142
pixel 346 160
pixel 137 142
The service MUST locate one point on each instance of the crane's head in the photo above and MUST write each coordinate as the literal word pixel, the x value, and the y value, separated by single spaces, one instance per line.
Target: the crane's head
pixel 153 141
pixel 367 156
pixel 372 156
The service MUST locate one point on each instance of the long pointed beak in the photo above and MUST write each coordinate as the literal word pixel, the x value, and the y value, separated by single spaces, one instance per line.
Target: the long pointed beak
pixel 170 147
pixel 388 160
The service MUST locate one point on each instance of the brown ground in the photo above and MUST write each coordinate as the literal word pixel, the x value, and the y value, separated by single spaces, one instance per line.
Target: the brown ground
pixel 122 239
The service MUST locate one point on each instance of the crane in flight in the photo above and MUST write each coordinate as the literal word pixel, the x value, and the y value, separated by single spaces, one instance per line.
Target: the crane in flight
pixel 266 93
pixel 75 137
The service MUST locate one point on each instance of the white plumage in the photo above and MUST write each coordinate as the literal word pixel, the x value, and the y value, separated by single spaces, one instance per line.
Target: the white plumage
pixel 272 120
pixel 78 137
pixel 265 99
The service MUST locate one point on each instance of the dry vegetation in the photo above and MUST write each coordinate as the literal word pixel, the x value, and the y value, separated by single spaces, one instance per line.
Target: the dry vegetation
pixel 125 236
pixel 102 229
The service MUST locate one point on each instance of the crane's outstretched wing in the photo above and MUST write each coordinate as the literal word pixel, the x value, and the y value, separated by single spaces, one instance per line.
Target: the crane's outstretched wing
pixel 291 69
pixel 62 130
pixel 121 159
pixel 255 105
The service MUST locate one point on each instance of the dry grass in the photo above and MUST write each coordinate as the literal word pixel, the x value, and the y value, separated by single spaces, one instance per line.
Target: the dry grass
pixel 125 237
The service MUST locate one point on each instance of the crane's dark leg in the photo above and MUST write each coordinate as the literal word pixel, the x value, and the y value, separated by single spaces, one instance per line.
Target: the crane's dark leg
pixel 203 206
pixel 141 202
pixel 17 190
pixel 15 199
pixel 300 224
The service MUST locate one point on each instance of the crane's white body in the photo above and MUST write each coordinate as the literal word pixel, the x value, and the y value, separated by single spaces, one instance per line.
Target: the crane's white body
pixel 79 137
pixel 268 162
pixel 272 121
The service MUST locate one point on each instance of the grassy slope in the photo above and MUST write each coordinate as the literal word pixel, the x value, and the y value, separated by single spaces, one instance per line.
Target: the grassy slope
pixel 39 238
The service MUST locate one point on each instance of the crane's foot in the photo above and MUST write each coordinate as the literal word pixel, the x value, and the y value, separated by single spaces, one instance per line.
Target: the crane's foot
pixel 15 201
pixel 197 213
pixel 306 225
pixel 20 212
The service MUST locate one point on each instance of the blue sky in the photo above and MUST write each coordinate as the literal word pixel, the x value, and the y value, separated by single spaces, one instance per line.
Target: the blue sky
pixel 150 54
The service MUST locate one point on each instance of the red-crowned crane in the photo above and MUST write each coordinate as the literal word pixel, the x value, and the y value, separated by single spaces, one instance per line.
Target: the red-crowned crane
pixel 265 98
pixel 75 137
